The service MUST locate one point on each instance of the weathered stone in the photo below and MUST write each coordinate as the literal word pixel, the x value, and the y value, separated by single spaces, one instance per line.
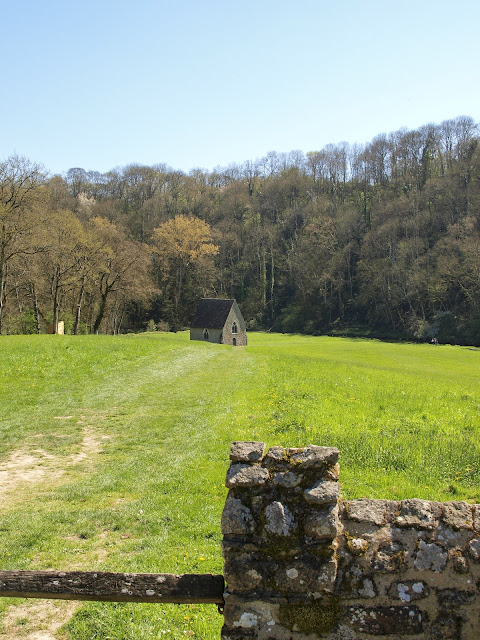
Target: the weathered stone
pixel 476 517
pixel 458 515
pixel 236 518
pixel 404 620
pixel 323 492
pixel 460 565
pixel 419 514
pixel 278 520
pixel 473 549
pixel 455 596
pixel 408 590
pixel 276 454
pixel 246 475
pixel 390 556
pixel 446 626
pixel 305 575
pixel 430 556
pixel 327 576
pixel 354 583
pixel 376 512
pixel 248 451
pixel 322 524
pixel 238 604
pixel 243 573
pixel 313 456
pixel 247 618
pixel 287 479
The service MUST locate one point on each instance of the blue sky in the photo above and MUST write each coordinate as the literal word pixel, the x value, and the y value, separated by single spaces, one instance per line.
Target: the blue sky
pixel 104 83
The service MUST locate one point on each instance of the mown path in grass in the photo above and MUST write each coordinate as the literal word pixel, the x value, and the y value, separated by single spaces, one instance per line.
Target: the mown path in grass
pixel 126 441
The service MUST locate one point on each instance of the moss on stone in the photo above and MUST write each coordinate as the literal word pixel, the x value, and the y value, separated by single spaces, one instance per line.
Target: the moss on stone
pixel 317 617
pixel 353 547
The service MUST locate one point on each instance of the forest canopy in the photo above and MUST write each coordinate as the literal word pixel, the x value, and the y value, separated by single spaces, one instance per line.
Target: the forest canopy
pixel 381 239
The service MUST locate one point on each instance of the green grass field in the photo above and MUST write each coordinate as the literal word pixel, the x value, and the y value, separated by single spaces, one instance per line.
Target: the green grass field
pixel 114 450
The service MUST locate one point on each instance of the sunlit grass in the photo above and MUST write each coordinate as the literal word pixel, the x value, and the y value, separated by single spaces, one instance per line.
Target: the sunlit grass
pixel 163 412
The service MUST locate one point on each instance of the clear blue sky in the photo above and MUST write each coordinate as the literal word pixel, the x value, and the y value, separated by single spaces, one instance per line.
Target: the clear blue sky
pixel 104 83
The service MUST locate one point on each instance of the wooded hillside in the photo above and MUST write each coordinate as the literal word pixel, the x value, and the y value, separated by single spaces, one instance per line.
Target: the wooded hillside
pixel 381 239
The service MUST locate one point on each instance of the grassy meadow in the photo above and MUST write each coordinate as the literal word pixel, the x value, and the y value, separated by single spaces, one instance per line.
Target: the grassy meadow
pixel 113 450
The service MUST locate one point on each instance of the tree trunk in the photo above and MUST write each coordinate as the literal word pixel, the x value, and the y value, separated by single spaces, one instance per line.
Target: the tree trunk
pixel 178 294
pixel 263 279
pixel 36 313
pixel 56 302
pixel 79 307
pixel 272 284
pixel 2 282
pixel 101 311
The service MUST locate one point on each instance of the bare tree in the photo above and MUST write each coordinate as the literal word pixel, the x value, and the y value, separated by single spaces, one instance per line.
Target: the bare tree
pixel 20 210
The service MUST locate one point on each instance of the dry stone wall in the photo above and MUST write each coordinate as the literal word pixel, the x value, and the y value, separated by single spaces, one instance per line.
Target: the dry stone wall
pixel 301 564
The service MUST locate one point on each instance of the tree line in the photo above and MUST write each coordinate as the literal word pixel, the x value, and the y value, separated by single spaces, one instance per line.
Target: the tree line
pixel 380 239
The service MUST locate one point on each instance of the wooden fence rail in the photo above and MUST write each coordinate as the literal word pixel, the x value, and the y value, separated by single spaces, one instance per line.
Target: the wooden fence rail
pixel 113 587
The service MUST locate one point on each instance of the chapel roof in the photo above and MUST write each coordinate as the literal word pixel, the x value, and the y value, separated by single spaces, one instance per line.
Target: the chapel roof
pixel 211 313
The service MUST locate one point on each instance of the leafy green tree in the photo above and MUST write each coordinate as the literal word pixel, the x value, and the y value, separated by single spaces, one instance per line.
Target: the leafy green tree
pixel 183 250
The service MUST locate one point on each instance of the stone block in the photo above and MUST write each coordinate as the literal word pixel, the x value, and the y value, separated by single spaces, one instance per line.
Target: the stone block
pixel 401 620
pixel 237 519
pixel 278 520
pixel 276 454
pixel 377 512
pixel 245 475
pixel 420 514
pixel 476 517
pixel 446 626
pixel 458 515
pixel 313 457
pixel 322 524
pixel 354 583
pixel 244 573
pixel 455 596
pixel 327 576
pixel 306 575
pixel 287 479
pixel 323 492
pixel 248 451
pixel 248 618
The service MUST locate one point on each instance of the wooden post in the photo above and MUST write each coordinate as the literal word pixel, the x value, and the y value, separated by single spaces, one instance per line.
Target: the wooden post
pixel 113 587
